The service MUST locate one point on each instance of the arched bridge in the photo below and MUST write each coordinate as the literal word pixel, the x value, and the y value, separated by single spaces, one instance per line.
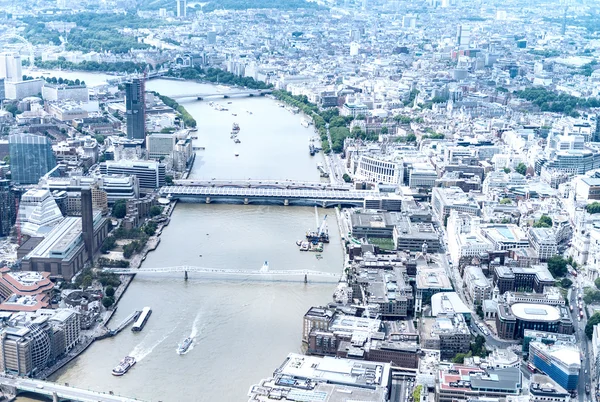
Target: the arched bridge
pixel 277 184
pixel 253 195
pixel 15 385
pixel 224 95
pixel 263 274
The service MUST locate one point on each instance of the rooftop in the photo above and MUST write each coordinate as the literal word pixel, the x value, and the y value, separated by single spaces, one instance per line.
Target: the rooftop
pixel 535 312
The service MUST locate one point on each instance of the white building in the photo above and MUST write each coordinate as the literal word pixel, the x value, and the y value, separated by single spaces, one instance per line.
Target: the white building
pixel 78 93
pixel 380 169
pixel 10 67
pixel 160 145
pixel 38 213
pixel 477 284
pixel 354 48
pixel 543 240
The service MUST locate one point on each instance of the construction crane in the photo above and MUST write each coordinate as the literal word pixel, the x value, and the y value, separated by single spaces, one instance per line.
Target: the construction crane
pixel 320 235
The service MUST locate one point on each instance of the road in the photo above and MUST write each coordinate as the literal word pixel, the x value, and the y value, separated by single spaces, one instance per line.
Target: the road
pixel 584 375
pixel 62 391
pixel 401 389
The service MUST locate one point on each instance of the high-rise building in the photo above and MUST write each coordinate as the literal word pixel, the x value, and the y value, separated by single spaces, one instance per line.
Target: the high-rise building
pixel 135 109
pixel 181 8
pixel 7 208
pixel 596 136
pixel 2 90
pixel 31 157
pixel 150 174
pixel 10 66
pixel 87 221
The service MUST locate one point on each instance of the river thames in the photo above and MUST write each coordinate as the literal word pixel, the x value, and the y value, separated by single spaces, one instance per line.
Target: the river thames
pixel 243 328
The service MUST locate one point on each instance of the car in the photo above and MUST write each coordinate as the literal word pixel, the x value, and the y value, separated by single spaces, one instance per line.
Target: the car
pixel 40 386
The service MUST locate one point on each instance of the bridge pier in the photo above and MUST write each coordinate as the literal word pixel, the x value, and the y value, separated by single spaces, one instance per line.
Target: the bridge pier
pixel 208 200
pixel 246 202
pixel 324 204
pixel 305 278
pixel 55 397
pixel 286 202
pixel 185 275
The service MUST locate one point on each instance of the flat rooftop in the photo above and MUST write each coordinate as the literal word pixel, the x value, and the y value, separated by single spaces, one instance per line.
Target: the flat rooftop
pixel 433 278
pixel 535 312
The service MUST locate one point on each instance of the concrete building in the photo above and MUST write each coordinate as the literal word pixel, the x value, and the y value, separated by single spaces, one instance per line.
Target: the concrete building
pixel 31 157
pixel 412 236
pixel 62 252
pixel 468 383
pixel 160 145
pixel 505 236
pixel 367 224
pixel 543 241
pixel 23 89
pixel 542 388
pixel 559 361
pixel 587 188
pixel 135 108
pixel 444 200
pixel 478 286
pixel 379 169
pixel 527 279
pixel 547 338
pixel 10 67
pixel 106 189
pixel 430 281
pixel 24 283
pixel 38 213
pixel 449 334
pixel 150 175
pixel 181 8
pixel 513 320
pixel 62 92
pixel 317 318
pixel 449 303
pixel 390 290
pixel 333 379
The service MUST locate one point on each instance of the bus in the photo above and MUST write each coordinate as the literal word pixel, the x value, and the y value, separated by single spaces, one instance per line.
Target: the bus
pixel 530 367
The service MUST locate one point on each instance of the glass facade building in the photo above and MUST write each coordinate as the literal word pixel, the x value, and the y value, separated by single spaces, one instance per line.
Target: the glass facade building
pixel 31 157
pixel 561 362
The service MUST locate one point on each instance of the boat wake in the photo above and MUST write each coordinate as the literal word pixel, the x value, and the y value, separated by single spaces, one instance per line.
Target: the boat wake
pixel 193 334
pixel 141 350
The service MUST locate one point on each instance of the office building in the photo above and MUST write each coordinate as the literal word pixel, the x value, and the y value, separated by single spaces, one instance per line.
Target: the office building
pixel 380 169
pixel 464 383
pixel 31 342
pixel 449 303
pixel 106 189
pixel 211 37
pixel 302 378
pixel 415 236
pixel 559 361
pixel 444 200
pixel 2 89
pixel 505 236
pixel 547 338
pixel 150 174
pixel 527 279
pixel 366 224
pixel 63 252
pixel 513 320
pixel 87 222
pixel 24 291
pixel 181 8
pixel 160 145
pixel 10 67
pixel 62 92
pixel 135 109
pixel 390 290
pixel 7 208
pixel 430 281
pixel 38 213
pixel 478 286
pixel 447 333
pixel 31 157
pixel 542 388
pixel 543 241
pixel 23 89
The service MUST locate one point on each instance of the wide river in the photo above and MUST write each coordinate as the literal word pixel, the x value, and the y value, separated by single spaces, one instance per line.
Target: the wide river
pixel 244 328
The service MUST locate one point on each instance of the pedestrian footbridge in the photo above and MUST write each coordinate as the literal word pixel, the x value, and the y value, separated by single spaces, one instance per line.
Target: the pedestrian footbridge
pixel 15 385
pixel 262 274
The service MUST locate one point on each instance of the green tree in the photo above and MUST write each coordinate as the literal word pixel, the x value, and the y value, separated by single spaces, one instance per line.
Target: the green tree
pixel 544 222
pixel 507 170
pixel 109 291
pixel 108 301
pixel 119 210
pixel 384 130
pixel 347 178
pixel 99 138
pixel 169 180
pixel 521 168
pixel 155 210
pixel 411 138
pixel 459 358
pixel 597 283
pixel 86 282
pixel 591 296
pixel 589 327
pixel 417 393
pixel 593 208
pixel 566 283
pixel 479 312
pixel 557 266
pixel 505 201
